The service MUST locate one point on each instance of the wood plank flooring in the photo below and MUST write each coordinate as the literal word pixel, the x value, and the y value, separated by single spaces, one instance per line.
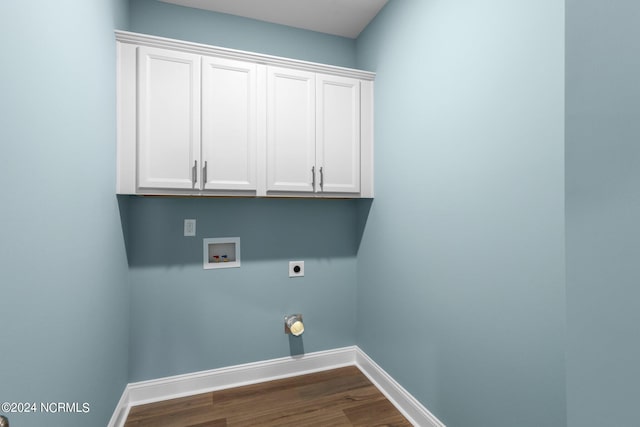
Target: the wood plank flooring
pixel 338 397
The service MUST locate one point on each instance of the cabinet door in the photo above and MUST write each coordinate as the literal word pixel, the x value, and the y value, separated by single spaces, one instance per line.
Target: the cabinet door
pixel 229 134
pixel 338 133
pixel 291 119
pixel 168 118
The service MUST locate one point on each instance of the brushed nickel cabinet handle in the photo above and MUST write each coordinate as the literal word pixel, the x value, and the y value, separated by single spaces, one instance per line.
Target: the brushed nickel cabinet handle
pixel 204 175
pixel 194 173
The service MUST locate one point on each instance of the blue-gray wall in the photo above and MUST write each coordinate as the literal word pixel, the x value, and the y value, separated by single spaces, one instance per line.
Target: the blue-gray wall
pixel 200 26
pixel 63 269
pixel 461 265
pixel 603 210
pixel 186 319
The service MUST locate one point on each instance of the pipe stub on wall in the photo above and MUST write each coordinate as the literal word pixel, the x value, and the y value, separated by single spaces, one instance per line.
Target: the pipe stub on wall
pixel 293 325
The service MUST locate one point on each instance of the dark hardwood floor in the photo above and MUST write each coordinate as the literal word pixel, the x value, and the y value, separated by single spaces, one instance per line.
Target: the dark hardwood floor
pixel 339 397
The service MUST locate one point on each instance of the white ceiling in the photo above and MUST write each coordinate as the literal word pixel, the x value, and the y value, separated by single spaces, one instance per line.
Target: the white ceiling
pixel 346 18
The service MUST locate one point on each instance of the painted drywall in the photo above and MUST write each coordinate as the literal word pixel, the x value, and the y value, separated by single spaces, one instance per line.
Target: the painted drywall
pixel 461 264
pixel 168 20
pixel 187 319
pixel 63 269
pixel 602 210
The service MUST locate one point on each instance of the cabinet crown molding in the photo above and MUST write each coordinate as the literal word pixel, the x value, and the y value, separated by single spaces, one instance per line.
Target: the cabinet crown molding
pixel 258 58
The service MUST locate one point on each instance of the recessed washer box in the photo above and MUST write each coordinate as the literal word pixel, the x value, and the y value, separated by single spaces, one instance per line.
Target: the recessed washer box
pixel 221 252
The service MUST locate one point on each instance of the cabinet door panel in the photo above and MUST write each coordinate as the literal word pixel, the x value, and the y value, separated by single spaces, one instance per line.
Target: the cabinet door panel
pixel 229 132
pixel 338 133
pixel 168 118
pixel 290 130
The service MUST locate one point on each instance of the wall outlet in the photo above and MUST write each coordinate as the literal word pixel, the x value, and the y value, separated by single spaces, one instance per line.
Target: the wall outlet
pixel 296 268
pixel 189 227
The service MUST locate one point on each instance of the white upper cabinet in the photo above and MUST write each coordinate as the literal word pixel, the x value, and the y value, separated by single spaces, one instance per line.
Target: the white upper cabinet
pixel 291 134
pixel 313 139
pixel 169 118
pixel 183 147
pixel 229 125
pixel 338 134
pixel 200 120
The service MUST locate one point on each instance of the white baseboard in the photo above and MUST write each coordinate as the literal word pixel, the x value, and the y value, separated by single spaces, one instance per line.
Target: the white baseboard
pixel 251 373
pixel 121 412
pixel 408 405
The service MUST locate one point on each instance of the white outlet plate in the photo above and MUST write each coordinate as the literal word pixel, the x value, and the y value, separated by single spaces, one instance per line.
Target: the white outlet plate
pixel 293 272
pixel 189 227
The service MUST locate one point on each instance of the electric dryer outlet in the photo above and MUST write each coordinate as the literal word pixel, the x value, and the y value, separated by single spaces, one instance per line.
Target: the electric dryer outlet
pixel 296 268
